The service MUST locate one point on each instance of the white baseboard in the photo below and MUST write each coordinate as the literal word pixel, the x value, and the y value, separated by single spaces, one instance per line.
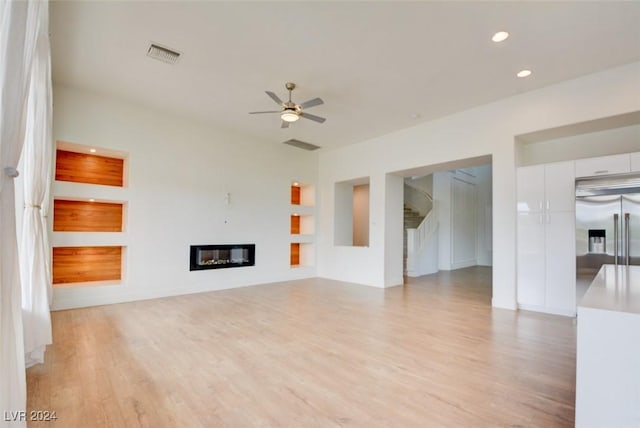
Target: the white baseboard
pixel 551 311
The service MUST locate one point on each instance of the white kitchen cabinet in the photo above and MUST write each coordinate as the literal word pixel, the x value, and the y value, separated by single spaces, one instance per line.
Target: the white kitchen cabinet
pixel 546 262
pixel 635 162
pixel 560 266
pixel 560 186
pixel 546 238
pixel 530 188
pixel 548 187
pixel 531 259
pixel 604 165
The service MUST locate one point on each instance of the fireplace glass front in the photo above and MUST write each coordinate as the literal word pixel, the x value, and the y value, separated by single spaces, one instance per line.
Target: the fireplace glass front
pixel 221 256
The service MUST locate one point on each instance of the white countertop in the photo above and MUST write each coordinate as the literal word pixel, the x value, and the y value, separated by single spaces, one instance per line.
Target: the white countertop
pixel 615 288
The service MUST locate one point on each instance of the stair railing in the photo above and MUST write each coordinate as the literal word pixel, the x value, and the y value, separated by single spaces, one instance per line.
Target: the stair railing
pixel 416 238
pixel 417 199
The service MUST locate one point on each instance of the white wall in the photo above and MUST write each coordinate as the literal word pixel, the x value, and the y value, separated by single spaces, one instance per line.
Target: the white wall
pixel 464 223
pixel 485 130
pixel 485 224
pixel 611 141
pixel 179 173
pixel 393 228
pixel 464 235
pixel 442 202
pixel 343 214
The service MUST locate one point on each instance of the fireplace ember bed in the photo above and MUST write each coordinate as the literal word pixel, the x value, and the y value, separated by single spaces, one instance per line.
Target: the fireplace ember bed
pixel 221 256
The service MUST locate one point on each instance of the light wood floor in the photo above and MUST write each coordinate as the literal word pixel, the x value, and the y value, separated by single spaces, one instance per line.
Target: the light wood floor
pixel 312 353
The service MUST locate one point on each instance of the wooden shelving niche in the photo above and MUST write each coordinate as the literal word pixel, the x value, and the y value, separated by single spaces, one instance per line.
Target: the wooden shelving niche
pixel 302 225
pixel 89 169
pixel 86 264
pixel 295 224
pixel 295 194
pixel 85 216
pixel 295 254
pixel 83 252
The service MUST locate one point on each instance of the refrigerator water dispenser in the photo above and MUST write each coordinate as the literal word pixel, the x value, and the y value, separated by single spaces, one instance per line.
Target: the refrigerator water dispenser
pixel 597 241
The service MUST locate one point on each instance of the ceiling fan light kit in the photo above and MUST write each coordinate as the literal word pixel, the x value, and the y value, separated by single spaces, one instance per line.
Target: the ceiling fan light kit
pixel 290 111
pixel 289 116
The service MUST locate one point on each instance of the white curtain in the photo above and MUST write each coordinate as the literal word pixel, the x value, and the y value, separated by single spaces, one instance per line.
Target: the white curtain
pixel 33 247
pixel 19 29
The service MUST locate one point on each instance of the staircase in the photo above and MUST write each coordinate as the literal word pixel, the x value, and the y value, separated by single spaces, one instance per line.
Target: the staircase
pixel 412 220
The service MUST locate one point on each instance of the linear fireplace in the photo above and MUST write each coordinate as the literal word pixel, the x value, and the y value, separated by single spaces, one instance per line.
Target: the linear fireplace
pixel 222 256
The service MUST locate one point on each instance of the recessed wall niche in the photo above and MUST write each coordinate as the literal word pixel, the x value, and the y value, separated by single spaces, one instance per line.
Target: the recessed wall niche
pixel 302 225
pixel 351 216
pixel 89 238
pixel 73 265
pixel 89 168
pixel 87 216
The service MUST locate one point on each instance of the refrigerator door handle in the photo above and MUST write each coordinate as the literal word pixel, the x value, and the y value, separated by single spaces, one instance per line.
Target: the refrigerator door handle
pixel 627 233
pixel 615 239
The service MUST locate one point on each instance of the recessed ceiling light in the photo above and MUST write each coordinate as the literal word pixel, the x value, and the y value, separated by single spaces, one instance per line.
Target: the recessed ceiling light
pixel 295 183
pixel 92 150
pixel 500 36
pixel 296 214
pixel 92 200
pixel 524 73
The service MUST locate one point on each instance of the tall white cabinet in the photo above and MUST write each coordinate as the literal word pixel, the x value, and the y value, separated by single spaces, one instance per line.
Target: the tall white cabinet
pixel 546 238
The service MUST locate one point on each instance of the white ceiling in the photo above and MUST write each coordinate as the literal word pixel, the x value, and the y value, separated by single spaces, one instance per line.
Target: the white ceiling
pixel 374 63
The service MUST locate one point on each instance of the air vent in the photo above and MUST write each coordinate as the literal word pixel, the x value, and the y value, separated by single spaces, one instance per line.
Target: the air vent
pixel 301 144
pixel 163 54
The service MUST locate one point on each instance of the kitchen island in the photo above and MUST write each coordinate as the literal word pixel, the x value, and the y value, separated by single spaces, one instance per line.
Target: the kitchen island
pixel 608 350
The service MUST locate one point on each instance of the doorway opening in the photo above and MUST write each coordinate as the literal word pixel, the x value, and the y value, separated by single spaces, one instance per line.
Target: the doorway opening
pixel 447 221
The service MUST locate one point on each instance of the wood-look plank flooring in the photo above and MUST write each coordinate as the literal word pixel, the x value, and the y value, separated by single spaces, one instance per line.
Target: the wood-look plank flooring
pixel 311 353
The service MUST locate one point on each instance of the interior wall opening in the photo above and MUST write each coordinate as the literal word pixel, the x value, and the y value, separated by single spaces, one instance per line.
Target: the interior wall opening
pixel 447 223
pixel 351 216
pixel 591 217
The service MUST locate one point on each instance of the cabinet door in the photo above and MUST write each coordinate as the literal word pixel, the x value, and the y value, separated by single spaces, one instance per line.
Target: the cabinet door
pixel 605 165
pixel 560 261
pixel 560 186
pixel 635 162
pixel 531 259
pixel 530 188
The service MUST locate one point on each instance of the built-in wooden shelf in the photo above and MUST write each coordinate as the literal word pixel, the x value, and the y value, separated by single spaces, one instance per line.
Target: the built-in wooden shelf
pixel 88 168
pixel 86 264
pixel 295 195
pixel 302 224
pixel 295 254
pixel 295 224
pixel 85 216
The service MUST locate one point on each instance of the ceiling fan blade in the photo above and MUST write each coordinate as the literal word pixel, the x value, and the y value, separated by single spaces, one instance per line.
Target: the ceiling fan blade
pixel 260 112
pixel 313 117
pixel 284 124
pixel 312 103
pixel 274 97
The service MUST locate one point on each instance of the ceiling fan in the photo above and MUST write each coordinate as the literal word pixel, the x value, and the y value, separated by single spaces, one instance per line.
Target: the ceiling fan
pixel 291 111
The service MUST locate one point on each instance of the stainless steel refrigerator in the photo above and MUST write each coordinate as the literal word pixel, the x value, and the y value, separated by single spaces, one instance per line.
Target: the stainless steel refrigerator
pixel 607 223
